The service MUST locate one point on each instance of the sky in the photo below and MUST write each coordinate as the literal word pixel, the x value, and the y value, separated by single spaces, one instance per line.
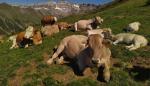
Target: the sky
pixel 27 2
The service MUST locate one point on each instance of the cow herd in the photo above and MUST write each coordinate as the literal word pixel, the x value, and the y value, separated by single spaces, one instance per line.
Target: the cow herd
pixel 84 50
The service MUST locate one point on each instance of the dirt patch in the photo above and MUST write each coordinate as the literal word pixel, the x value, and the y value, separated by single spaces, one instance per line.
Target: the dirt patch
pixel 45 57
pixel 141 62
pixel 70 76
pixel 17 80
pixel 140 70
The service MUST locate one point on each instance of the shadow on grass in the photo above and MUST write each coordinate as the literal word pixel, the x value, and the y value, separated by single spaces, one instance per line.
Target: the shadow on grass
pixel 140 73
pixel 75 68
pixel 80 73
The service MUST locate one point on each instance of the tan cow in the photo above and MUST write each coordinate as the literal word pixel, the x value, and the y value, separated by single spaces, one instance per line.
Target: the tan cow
pixel 49 30
pixel 105 32
pixel 63 25
pixel 88 24
pixel 96 51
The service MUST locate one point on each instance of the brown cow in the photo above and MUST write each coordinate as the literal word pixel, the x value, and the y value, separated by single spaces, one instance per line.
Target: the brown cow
pixel 48 20
pixel 19 40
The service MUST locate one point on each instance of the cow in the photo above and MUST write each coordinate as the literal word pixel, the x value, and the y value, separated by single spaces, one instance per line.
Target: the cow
pixel 49 30
pixel 26 38
pixel 48 20
pixel 135 40
pixel 85 51
pixel 88 24
pixel 63 25
pixel 133 27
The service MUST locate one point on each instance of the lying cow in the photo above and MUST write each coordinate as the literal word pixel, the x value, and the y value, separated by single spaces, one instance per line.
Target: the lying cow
pixel 85 50
pixel 23 39
pixel 135 40
pixel 48 20
pixel 88 24
pixel 132 27
pixel 105 32
pixel 49 30
pixel 63 25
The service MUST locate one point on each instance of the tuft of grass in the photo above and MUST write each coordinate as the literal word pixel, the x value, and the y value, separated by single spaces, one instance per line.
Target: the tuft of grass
pixel 121 78
pixel 50 82
pixel 83 82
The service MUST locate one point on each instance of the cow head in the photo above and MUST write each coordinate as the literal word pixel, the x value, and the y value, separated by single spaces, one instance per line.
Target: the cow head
pixel 98 20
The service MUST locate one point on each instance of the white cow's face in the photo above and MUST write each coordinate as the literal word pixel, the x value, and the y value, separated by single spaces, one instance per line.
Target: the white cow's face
pixel 29 32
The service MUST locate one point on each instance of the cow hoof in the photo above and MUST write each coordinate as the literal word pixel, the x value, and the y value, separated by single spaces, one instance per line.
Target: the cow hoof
pixel 50 61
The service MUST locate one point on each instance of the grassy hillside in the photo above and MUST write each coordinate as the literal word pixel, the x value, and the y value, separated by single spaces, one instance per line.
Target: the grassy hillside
pixel 27 67
pixel 14 18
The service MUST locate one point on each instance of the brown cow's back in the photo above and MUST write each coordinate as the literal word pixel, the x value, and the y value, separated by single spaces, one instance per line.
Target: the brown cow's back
pixel 48 20
pixel 20 37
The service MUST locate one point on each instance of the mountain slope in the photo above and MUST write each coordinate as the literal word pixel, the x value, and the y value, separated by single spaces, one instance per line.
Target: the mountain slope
pixel 14 18
pixel 27 67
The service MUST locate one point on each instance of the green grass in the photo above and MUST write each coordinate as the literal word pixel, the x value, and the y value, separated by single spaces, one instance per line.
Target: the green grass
pixel 41 74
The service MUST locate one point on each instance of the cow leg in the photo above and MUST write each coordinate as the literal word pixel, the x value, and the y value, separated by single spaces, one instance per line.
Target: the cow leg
pixel 60 60
pixel 55 55
pixel 127 47
pixel 14 44
pixel 106 71
pixel 89 27
pixel 136 45
pixel 76 26
pixel 116 42
pixel 26 46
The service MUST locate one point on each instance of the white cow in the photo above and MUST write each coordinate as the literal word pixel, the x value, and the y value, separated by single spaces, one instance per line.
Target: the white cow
pixel 135 40
pixel 132 27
